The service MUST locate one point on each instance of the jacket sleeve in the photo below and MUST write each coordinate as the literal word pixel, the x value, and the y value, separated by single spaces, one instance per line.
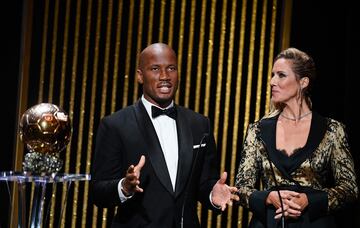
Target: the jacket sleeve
pixel 345 189
pixel 248 174
pixel 106 170
pixel 210 170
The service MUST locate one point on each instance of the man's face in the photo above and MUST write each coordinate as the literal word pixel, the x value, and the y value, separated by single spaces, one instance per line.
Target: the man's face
pixel 158 74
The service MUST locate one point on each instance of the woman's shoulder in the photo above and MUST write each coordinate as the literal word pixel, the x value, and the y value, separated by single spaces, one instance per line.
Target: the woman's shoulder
pixel 334 125
pixel 337 127
pixel 254 125
pixel 335 122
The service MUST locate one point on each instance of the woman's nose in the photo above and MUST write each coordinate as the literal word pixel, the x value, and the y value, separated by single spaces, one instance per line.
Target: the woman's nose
pixel 273 80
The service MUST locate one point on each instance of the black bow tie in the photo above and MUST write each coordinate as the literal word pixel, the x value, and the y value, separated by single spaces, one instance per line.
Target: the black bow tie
pixel 171 112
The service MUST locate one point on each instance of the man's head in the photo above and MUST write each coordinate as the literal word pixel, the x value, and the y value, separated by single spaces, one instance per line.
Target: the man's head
pixel 157 72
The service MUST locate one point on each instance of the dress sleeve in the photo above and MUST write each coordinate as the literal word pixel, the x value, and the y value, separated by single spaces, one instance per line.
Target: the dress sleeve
pixel 345 189
pixel 248 174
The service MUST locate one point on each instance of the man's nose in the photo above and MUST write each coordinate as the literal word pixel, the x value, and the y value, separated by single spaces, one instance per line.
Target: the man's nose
pixel 163 74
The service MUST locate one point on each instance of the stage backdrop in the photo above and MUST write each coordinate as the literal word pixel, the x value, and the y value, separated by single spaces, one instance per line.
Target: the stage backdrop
pixel 82 56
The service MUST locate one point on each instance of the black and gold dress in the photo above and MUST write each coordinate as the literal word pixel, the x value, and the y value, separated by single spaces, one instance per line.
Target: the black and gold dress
pixel 323 169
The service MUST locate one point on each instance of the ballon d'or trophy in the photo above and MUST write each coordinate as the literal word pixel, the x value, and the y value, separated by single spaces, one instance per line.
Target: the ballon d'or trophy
pixel 46 130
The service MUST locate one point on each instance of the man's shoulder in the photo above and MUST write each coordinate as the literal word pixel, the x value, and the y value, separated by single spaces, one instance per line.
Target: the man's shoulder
pixel 120 114
pixel 190 112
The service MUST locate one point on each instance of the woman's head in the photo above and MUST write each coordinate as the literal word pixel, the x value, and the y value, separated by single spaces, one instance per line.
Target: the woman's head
pixel 293 75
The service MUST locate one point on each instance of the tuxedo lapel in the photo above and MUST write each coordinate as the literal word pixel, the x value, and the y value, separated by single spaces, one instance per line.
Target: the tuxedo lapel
pixel 185 141
pixel 154 150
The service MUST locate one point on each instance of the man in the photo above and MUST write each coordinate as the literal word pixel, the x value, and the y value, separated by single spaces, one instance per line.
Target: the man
pixel 173 150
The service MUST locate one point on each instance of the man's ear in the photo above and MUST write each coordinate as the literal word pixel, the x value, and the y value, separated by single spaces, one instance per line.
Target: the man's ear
pixel 140 77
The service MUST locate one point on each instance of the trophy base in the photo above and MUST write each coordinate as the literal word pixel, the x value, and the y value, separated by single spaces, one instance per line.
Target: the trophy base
pixel 39 163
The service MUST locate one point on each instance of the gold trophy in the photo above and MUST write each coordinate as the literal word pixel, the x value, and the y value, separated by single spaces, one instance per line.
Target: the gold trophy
pixel 46 130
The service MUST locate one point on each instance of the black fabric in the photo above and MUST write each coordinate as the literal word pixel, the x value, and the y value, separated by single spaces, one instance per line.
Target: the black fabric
pixel 302 222
pixel 257 204
pixel 171 112
pixel 314 216
pixel 288 164
pixel 317 204
pixel 121 140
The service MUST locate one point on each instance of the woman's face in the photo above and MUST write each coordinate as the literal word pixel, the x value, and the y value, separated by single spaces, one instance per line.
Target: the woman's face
pixel 284 85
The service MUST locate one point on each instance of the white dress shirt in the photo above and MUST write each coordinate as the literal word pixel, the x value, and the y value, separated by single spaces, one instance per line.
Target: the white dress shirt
pixel 166 131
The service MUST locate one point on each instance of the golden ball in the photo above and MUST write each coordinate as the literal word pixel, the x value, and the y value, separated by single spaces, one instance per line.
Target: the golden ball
pixel 45 128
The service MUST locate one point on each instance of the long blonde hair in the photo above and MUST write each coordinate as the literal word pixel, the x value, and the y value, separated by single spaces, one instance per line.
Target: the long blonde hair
pixel 303 65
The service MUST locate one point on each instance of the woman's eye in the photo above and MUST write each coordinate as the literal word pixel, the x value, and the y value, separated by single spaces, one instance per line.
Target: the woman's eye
pixel 282 75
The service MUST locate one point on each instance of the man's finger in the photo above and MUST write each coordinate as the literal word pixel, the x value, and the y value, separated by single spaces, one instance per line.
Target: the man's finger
pixel 141 163
pixel 233 189
pixel 130 177
pixel 236 197
pixel 138 189
pixel 223 178
pixel 130 169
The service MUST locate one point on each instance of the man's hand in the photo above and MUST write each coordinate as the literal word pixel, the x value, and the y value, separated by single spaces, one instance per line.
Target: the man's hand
pixel 222 194
pixel 131 181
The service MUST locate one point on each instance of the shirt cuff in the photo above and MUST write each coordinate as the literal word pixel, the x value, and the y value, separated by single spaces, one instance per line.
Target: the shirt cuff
pixel 122 196
pixel 210 197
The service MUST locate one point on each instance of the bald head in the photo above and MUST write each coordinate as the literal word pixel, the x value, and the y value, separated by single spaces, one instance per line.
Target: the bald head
pixel 157 73
pixel 154 50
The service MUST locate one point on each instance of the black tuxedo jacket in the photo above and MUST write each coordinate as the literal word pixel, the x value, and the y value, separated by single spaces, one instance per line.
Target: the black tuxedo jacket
pixel 121 140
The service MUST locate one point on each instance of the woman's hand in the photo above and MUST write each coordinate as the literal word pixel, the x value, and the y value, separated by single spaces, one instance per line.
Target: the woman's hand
pixel 293 203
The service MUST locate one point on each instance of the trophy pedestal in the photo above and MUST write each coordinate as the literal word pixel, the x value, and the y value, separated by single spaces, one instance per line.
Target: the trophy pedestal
pixel 40 183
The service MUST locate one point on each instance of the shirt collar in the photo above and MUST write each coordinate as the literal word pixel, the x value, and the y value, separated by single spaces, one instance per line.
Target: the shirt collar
pixel 148 105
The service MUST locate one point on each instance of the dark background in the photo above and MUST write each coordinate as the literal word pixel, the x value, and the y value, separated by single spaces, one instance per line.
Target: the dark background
pixel 327 31
pixel 10 27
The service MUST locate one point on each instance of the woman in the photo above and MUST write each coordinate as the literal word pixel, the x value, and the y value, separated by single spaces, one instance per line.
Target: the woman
pixel 296 153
